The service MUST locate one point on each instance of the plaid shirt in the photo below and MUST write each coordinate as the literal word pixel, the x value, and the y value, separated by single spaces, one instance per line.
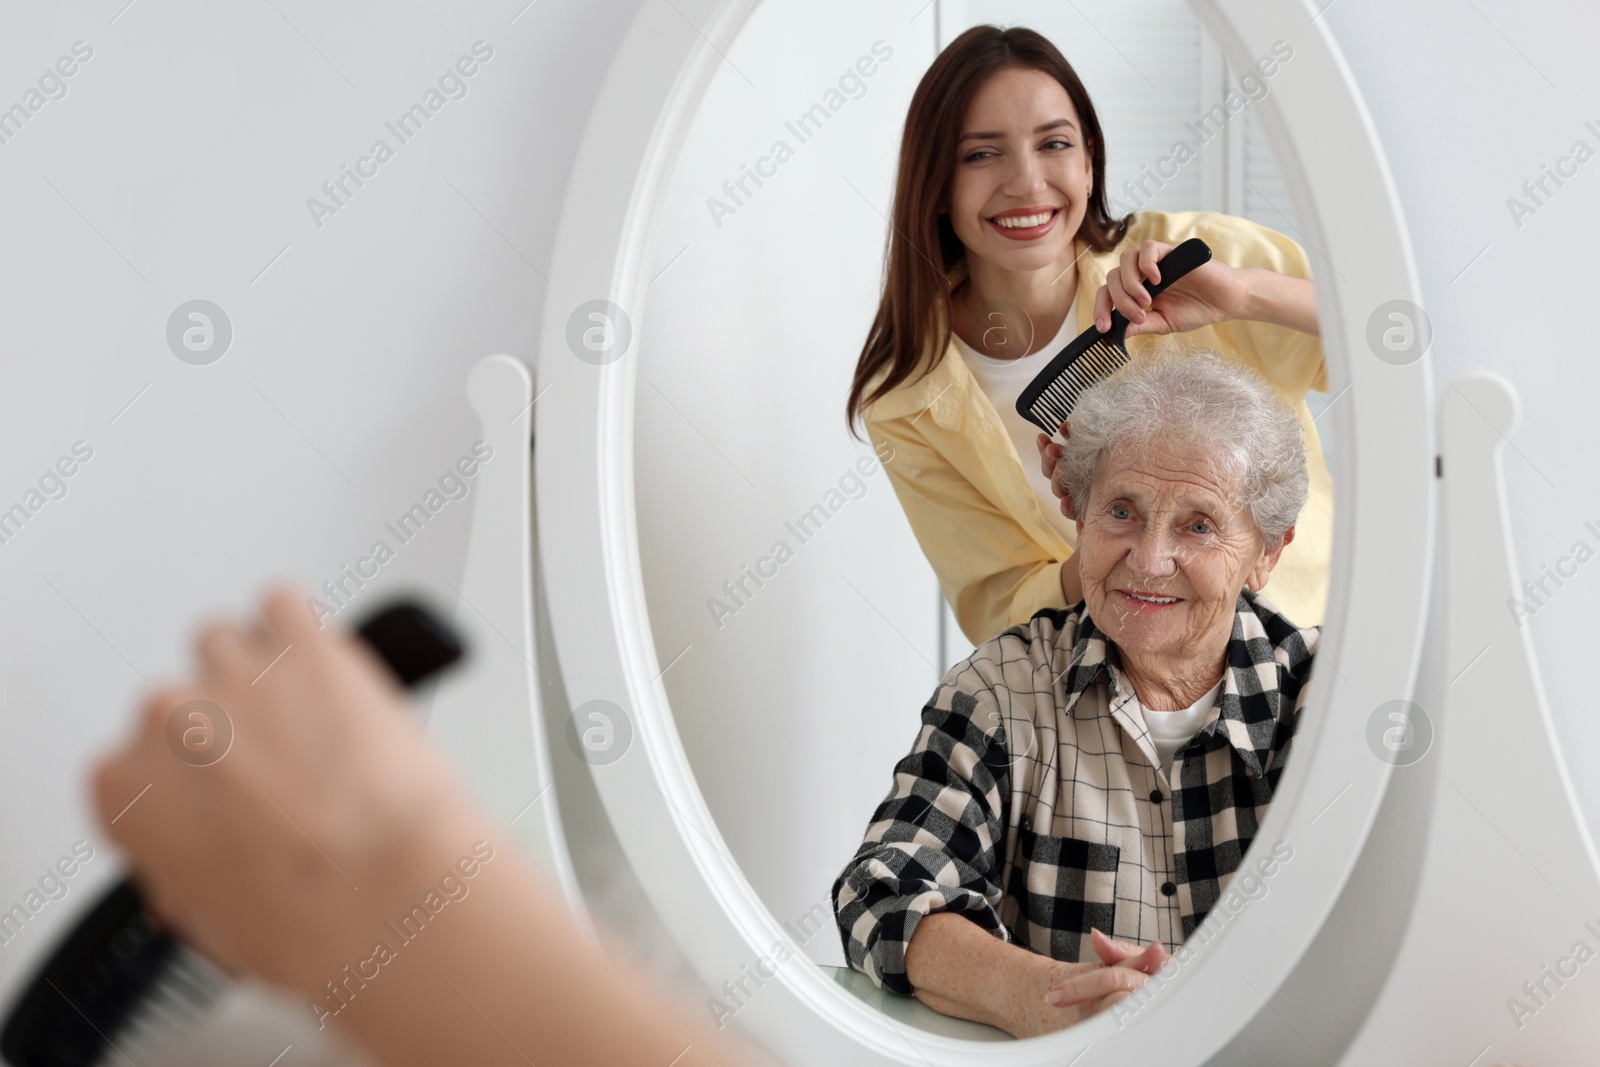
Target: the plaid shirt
pixel 1033 801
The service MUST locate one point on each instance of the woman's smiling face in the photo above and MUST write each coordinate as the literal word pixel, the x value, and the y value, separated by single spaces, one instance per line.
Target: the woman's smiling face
pixel 1021 154
pixel 1164 547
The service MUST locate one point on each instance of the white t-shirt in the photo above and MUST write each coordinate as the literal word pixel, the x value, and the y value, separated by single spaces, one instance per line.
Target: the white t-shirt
pixel 1003 380
pixel 1171 730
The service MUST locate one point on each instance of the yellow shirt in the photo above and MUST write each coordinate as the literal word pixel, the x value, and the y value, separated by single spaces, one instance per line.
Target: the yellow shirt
pixel 963 488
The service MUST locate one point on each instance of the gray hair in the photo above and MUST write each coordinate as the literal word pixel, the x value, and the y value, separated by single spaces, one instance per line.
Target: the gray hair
pixel 1198 400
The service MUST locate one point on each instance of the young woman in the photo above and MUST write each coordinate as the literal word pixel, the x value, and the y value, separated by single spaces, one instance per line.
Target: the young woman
pixel 1003 250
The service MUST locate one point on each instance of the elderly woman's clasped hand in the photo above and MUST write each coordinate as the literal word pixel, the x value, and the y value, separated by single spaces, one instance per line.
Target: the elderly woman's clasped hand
pixel 1080 991
pixel 962 971
pixel 1127 968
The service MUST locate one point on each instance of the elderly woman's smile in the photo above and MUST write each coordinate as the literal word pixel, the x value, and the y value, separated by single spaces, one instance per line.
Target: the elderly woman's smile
pixel 1165 545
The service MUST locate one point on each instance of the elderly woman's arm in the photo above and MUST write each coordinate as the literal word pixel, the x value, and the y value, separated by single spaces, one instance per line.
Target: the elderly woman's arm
pixel 960 970
pixel 935 842
pixel 918 904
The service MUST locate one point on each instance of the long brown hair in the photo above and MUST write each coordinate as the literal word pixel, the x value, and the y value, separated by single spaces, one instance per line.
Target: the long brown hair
pixel 922 245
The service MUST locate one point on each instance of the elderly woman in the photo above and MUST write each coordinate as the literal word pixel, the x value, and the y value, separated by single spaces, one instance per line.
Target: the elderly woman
pixel 1104 767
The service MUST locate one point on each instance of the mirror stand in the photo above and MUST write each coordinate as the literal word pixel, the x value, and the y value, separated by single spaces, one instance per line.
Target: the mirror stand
pixel 490 717
pixel 1506 922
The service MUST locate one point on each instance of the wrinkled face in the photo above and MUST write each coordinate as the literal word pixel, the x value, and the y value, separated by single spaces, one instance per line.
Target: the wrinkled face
pixel 1021 159
pixel 1164 547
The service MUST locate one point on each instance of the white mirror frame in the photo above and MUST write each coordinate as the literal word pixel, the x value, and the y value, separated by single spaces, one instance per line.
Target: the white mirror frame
pixel 1384 507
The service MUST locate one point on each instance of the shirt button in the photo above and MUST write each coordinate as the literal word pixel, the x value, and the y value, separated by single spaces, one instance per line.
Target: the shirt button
pixel 1168 889
pixel 1155 796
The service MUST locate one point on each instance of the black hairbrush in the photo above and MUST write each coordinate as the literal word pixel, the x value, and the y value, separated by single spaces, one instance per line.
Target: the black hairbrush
pixel 117 972
pixel 1094 356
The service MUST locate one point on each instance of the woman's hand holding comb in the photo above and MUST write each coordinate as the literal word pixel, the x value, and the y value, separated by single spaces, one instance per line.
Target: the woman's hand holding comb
pixel 321 783
pixel 332 850
pixel 1211 293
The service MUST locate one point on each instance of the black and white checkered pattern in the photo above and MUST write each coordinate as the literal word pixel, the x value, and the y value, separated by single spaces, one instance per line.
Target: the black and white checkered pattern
pixel 1033 801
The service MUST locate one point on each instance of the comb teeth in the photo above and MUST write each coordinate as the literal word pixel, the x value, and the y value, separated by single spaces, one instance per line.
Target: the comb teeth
pixel 117 975
pixel 157 1027
pixel 1097 363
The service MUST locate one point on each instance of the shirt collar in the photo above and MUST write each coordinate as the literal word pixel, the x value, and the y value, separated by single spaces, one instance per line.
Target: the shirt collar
pixel 1267 657
pixel 940 394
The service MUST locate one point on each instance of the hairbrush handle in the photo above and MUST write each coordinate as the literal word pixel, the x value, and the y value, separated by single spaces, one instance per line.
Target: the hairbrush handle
pixel 110 961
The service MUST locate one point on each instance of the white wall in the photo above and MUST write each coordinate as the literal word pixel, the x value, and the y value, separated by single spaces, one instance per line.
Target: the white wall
pixel 178 166
pixel 1470 103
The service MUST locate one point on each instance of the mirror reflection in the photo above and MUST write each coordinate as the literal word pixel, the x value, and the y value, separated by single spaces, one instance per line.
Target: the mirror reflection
pixel 884 225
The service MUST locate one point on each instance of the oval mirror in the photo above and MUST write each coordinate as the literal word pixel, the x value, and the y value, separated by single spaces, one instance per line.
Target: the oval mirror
pixel 745 623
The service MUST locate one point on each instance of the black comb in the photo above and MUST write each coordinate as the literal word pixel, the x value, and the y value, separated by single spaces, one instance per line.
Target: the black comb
pixel 117 970
pixel 1094 356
